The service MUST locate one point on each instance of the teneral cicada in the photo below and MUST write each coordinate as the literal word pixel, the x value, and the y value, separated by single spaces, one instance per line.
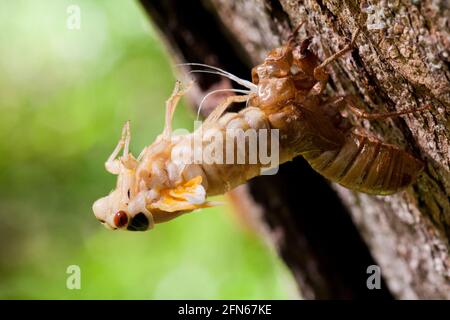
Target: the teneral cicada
pixel 287 95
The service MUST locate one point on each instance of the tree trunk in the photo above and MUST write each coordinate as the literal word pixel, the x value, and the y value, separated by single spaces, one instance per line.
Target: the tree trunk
pixel 329 235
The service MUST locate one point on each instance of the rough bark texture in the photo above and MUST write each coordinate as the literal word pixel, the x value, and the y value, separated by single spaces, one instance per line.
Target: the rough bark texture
pixel 329 235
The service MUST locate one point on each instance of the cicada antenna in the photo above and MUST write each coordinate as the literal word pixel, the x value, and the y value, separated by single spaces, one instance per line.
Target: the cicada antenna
pixel 249 85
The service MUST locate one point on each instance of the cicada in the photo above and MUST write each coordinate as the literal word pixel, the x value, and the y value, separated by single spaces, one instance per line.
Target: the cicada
pixel 286 95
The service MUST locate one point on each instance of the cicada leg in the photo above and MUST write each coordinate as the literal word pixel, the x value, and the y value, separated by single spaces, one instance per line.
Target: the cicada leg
pixel 112 165
pixel 220 109
pixel 171 105
pixel 291 39
pixel 354 108
pixel 320 73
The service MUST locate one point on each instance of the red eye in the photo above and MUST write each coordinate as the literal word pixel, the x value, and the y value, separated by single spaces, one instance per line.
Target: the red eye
pixel 120 219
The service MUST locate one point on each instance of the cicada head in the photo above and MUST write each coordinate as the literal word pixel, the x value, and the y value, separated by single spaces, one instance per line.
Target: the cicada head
pixel 116 215
pixel 276 65
pixel 123 208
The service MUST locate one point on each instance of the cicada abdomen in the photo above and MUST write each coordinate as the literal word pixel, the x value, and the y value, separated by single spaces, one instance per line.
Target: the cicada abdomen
pixel 367 165
pixel 234 166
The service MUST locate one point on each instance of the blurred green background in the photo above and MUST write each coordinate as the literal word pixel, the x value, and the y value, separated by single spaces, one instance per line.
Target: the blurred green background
pixel 64 96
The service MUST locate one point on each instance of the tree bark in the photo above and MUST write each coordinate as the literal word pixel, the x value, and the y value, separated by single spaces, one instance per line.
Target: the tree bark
pixel 329 235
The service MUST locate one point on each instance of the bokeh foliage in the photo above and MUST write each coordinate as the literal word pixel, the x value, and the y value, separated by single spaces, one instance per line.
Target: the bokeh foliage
pixel 64 96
